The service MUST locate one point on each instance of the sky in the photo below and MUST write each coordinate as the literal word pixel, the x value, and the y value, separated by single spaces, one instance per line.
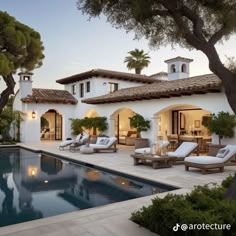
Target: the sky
pixel 74 44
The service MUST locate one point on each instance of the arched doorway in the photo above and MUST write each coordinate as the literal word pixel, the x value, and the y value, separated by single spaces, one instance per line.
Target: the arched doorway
pixel 124 133
pixel 183 122
pixel 51 125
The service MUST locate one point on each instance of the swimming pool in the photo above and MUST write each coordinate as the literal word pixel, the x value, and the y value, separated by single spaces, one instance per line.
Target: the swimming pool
pixel 36 185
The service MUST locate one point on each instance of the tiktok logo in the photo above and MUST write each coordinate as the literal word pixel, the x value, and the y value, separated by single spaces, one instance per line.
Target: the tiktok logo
pixel 176 227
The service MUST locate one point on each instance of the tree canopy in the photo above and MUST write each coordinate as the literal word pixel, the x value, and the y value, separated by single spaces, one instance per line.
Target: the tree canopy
pixel 198 24
pixel 21 48
pixel 137 60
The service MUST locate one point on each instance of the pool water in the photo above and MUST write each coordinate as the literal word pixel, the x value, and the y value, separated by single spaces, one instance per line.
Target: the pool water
pixel 35 185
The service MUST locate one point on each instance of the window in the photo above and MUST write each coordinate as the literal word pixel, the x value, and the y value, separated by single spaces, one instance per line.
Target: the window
pixel 183 68
pixel 113 87
pixel 81 90
pixel 172 68
pixel 88 86
pixel 73 89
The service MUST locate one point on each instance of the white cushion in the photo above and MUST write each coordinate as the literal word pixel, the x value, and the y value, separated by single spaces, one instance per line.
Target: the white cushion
pixel 84 138
pixel 66 143
pixel 78 137
pixel 183 150
pixel 204 160
pixel 143 150
pixel 111 141
pixel 94 145
pixel 133 136
pixel 107 145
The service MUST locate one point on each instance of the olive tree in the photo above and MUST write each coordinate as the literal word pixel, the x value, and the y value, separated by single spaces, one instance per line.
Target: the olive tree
pixel 21 48
pixel 199 24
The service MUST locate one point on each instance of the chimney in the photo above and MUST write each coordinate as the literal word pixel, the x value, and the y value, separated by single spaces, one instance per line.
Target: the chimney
pixel 25 84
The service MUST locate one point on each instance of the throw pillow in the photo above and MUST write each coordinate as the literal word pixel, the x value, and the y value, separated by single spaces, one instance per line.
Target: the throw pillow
pixel 222 152
pixel 106 141
pixel 101 141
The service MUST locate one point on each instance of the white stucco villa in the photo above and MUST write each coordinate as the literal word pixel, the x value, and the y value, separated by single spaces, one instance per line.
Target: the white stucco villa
pixel 174 102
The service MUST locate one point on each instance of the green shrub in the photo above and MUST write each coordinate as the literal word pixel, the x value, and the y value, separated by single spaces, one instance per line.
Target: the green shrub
pixel 204 205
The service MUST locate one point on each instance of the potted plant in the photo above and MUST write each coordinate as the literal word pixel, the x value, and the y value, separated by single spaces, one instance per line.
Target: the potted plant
pixel 221 124
pixel 137 121
pixel 90 123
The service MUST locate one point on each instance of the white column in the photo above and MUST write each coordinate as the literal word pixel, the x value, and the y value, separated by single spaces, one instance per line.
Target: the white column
pixel 111 126
pixel 154 128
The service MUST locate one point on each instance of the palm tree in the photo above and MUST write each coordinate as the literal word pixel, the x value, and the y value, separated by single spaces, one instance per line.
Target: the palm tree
pixel 137 60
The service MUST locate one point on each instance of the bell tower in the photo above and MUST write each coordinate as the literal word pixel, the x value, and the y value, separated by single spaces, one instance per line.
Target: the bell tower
pixel 178 68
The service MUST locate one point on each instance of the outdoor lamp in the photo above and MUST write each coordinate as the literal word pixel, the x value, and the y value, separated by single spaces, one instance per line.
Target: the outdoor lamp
pixel 33 114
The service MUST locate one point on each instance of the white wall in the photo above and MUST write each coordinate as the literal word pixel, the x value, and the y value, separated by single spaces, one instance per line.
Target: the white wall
pixel 30 128
pixel 99 86
pixel 213 103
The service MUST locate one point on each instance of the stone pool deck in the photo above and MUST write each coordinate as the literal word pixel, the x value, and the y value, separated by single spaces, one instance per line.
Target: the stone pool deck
pixel 111 219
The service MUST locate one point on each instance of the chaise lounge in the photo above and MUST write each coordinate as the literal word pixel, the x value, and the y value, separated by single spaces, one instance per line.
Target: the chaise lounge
pixel 184 150
pixel 79 140
pixel 205 163
pixel 104 144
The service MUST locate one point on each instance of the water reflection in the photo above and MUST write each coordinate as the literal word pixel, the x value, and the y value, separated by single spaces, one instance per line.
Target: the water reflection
pixel 34 186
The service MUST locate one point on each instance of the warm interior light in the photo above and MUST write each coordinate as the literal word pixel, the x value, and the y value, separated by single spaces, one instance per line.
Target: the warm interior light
pixel 33 114
pixel 32 171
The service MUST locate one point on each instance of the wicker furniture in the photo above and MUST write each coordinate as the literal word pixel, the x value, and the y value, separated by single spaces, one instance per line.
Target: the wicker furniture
pixel 154 160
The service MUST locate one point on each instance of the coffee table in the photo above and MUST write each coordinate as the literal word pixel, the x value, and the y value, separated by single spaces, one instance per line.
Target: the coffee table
pixel 155 160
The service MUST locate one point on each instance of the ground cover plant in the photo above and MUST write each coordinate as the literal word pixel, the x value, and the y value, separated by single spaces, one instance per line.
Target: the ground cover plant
pixel 204 205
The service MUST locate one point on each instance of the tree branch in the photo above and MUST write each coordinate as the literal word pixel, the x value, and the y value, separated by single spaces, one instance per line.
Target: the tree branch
pixel 9 80
pixel 217 35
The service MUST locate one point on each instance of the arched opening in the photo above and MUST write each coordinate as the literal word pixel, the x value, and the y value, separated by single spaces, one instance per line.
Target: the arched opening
pixel 124 133
pixel 172 68
pixel 51 125
pixel 184 122
pixel 184 68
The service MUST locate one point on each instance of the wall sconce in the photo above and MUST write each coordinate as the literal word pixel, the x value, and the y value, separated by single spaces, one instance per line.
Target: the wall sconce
pixel 32 171
pixel 33 114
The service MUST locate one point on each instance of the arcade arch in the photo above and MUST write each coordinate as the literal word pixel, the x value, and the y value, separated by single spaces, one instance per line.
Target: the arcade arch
pixel 51 125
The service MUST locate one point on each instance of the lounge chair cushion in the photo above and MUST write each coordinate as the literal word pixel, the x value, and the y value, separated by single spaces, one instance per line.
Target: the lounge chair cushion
pixel 204 160
pixel 183 150
pixel 66 143
pixel 84 138
pixel 102 140
pixel 211 159
pixel 106 144
pixel 112 140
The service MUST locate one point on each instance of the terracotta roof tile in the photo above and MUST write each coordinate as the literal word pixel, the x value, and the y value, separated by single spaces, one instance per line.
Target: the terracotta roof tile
pixel 106 73
pixel 162 89
pixel 50 96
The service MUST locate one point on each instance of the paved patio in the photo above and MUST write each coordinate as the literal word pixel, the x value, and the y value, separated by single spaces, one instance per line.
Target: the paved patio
pixel 111 219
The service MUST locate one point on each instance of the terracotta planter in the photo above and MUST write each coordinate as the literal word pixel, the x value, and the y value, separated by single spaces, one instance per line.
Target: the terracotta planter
pixel 141 143
pixel 214 148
